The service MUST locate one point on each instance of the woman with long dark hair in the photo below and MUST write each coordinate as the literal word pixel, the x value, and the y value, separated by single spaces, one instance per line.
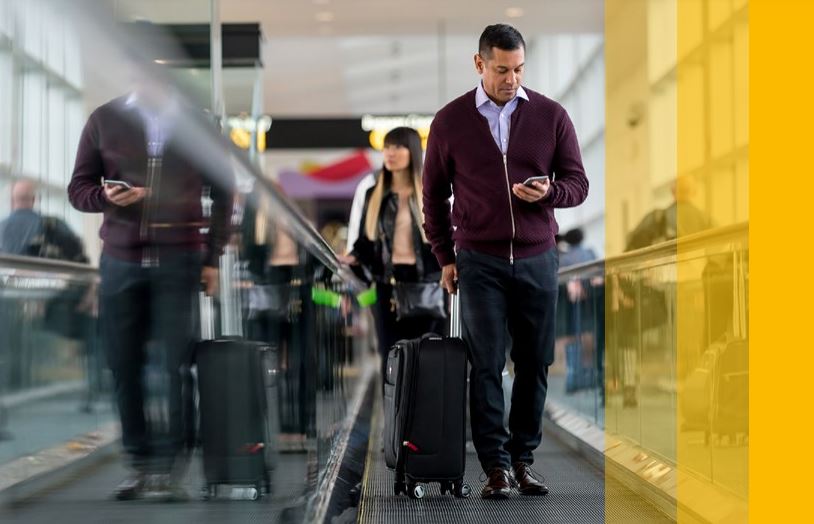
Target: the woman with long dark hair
pixel 392 245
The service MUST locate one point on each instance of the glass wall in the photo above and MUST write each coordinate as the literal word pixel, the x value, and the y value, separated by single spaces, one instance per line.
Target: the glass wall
pixel 41 89
pixel 627 378
pixel 279 287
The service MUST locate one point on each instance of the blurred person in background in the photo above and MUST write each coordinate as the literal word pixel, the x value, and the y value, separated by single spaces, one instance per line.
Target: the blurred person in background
pixel 680 218
pixel 484 147
pixel 154 260
pixel 575 252
pixel 391 244
pixel 279 312
pixel 356 209
pixel 583 364
pixel 26 232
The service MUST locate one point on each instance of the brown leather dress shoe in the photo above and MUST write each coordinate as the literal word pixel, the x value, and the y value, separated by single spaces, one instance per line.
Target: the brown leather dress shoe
pixel 498 484
pixel 527 484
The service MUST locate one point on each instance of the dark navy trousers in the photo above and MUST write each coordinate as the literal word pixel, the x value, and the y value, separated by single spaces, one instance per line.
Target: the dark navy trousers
pixel 519 300
pixel 149 319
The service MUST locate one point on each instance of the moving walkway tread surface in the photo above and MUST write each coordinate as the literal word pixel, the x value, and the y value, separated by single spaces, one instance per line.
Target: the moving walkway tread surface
pixel 89 500
pixel 578 492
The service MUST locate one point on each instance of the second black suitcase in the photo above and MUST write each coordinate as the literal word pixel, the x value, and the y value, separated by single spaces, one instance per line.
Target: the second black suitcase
pixel 425 414
pixel 236 385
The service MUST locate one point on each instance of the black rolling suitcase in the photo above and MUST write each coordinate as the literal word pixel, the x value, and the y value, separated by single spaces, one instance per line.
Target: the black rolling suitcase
pixel 425 412
pixel 236 386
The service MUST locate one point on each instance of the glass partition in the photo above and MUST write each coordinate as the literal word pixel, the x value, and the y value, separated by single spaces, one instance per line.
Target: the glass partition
pixel 617 352
pixel 207 214
pixel 53 386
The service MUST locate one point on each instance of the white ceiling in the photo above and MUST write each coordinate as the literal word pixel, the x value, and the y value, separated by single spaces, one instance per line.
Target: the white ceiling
pixel 374 56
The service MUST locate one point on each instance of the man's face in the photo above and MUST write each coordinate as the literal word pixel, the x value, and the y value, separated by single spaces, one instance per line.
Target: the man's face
pixel 501 72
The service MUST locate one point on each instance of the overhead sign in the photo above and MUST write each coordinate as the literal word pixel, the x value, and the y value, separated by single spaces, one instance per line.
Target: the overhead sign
pixel 378 126
pixel 242 126
pixel 340 133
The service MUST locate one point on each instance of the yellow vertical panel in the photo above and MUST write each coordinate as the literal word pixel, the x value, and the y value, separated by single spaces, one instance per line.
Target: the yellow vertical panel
pixel 691 27
pixel 718 12
pixel 640 116
pixel 693 134
pixel 740 58
pixel 711 342
pixel 742 190
pixel 721 98
pixel 781 112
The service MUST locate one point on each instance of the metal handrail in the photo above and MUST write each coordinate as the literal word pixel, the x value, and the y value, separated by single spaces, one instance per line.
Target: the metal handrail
pixel 670 247
pixel 46 264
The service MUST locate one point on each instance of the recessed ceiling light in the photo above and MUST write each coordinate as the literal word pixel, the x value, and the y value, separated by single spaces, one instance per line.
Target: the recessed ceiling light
pixel 324 16
pixel 514 12
pixel 322 2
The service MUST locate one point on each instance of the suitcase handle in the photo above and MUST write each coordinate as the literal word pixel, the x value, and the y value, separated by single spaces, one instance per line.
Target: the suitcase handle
pixel 455 314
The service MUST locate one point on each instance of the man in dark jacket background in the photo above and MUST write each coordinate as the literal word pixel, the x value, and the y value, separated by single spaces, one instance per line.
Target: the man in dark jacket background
pixel 482 147
pixel 154 259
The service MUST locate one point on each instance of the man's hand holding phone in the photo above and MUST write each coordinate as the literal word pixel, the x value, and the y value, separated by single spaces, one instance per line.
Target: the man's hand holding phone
pixel 122 194
pixel 532 189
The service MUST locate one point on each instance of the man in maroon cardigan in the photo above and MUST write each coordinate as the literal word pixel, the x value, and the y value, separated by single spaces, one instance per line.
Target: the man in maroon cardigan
pixel 154 258
pixel 483 147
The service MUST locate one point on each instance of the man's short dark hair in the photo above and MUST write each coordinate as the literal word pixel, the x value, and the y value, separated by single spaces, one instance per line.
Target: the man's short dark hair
pixel 502 36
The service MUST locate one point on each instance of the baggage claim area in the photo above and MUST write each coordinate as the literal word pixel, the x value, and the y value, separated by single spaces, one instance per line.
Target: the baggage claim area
pixel 265 393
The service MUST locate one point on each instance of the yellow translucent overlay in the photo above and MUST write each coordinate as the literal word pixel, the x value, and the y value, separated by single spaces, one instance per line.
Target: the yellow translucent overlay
pixel 677 273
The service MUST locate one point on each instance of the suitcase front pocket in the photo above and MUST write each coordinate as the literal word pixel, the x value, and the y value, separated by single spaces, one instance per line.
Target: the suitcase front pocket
pixel 426 430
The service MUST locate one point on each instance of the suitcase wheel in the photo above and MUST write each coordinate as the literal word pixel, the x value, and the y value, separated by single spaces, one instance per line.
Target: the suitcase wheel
pixel 446 488
pixel 399 488
pixel 415 491
pixel 461 490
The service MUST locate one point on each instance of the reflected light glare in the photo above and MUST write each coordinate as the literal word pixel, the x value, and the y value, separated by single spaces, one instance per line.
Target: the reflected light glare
pixel 324 16
pixel 514 12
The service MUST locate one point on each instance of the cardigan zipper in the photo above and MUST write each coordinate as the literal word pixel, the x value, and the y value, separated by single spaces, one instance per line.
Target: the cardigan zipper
pixel 511 209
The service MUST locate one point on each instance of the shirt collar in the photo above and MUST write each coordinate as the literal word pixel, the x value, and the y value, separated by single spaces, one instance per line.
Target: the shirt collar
pixel 481 97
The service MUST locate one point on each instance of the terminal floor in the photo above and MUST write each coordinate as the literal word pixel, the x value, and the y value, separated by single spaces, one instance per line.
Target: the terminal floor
pixel 578 494
pixel 38 425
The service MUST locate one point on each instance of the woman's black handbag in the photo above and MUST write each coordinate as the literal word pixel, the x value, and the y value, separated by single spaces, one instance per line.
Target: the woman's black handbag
pixel 418 299
pixel 275 301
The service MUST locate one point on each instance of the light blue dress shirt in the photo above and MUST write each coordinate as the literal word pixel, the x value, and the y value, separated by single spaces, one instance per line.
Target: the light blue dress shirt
pixel 157 124
pixel 500 118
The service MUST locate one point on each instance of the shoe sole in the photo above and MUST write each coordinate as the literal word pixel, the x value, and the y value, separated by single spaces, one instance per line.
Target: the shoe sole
pixel 495 496
pixel 533 493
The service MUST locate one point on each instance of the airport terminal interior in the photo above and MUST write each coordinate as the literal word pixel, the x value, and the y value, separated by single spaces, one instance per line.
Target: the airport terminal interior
pixel 276 116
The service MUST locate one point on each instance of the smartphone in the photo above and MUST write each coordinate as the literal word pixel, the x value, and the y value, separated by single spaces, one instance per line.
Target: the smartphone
pixel 121 183
pixel 530 180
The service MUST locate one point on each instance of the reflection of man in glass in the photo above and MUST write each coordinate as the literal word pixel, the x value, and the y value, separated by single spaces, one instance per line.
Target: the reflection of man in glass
pixel 154 258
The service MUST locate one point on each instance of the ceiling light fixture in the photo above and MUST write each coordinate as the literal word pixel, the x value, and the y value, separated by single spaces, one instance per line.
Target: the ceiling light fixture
pixel 324 16
pixel 514 12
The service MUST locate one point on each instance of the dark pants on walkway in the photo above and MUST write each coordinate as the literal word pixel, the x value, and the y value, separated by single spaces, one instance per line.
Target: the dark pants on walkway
pixel 523 297
pixel 155 305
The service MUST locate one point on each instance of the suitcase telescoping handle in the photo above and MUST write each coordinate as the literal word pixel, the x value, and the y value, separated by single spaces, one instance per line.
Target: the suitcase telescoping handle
pixel 455 314
pixel 206 306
